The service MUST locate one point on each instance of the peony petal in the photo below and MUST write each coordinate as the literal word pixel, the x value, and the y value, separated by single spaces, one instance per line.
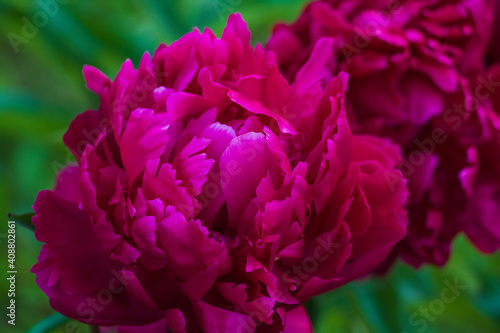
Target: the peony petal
pixel 256 107
pixel 67 186
pixel 248 156
pixel 96 80
pixel 181 105
pixel 159 326
pixel 189 249
pixel 297 320
pixel 163 184
pixel 176 320
pixel 84 130
pixel 312 71
pixel 212 196
pixel 68 230
pixel 217 320
pixel 144 139
pixel 192 166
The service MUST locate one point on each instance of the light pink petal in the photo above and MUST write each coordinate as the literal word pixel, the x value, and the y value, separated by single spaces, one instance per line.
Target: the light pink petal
pixel 242 166
pixel 212 196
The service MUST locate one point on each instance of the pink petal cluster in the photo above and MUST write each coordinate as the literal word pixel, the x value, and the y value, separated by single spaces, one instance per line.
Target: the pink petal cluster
pixel 410 64
pixel 212 195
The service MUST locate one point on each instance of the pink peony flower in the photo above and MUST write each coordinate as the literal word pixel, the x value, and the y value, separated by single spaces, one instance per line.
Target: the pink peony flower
pixel 409 64
pixel 212 194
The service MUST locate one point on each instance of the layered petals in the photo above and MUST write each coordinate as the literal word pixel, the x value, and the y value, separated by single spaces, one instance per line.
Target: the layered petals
pixel 221 196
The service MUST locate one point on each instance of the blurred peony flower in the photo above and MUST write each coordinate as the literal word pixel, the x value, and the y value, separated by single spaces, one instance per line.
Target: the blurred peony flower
pixel 493 55
pixel 212 194
pixel 410 63
pixel 481 179
pixel 399 38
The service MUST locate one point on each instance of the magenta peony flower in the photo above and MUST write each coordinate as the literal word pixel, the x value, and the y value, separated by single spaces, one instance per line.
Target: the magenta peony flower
pixel 405 58
pixel 493 55
pixel 481 179
pixel 214 195
pixel 409 64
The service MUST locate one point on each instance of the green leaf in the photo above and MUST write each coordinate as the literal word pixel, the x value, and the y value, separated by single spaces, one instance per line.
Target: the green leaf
pixel 49 323
pixel 24 220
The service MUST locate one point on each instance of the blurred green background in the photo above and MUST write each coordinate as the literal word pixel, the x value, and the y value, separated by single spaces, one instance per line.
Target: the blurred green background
pixel 42 90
